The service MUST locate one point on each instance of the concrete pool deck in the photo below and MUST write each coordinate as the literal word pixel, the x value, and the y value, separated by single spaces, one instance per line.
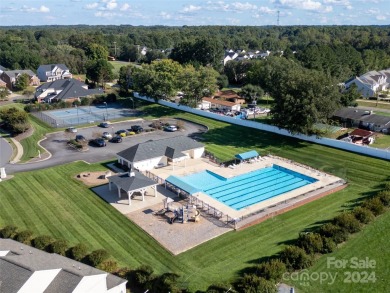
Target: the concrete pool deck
pixel 194 166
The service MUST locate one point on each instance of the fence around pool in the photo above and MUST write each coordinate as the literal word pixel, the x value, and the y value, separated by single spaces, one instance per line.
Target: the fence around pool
pixel 83 115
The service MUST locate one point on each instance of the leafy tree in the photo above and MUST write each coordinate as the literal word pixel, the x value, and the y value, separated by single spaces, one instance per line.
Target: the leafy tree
pixel 295 258
pixel 42 242
pixel 251 283
pixel 24 236
pixel 125 80
pixel 384 196
pixel 59 246
pixel 363 215
pixel 8 231
pixel 109 266
pixel 348 222
pixel 349 97
pixel 197 83
pixel 78 252
pixel 96 52
pixel 99 71
pixel 336 233
pixel 15 120
pixel 4 93
pixel 96 257
pixel 153 55
pixel 236 71
pixel 130 53
pixel 222 81
pixel 143 275
pixel 310 242
pixel 167 282
pixel 220 288
pixel 375 205
pixel 328 245
pixel 271 270
pixel 22 82
pixel 251 93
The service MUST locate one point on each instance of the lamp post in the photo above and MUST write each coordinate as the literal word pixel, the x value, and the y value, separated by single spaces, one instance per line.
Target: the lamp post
pixel 105 103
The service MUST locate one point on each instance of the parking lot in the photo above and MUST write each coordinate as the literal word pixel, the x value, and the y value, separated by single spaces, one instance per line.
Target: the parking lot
pixel 56 144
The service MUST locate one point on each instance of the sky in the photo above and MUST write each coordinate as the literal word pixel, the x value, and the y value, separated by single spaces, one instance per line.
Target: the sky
pixel 194 12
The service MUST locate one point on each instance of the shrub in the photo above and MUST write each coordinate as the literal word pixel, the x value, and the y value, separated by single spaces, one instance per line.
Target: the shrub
pixel 123 273
pixel 252 283
pixel 348 222
pixel 96 257
pixel 295 258
pixel 78 252
pixel 310 242
pixel 386 186
pixel 328 245
pixel 363 215
pixel 24 237
pixel 384 196
pixel 60 247
pixel 8 231
pixel 143 275
pixel 336 233
pixel 375 205
pixel 271 270
pixel 42 242
pixel 110 266
pixel 167 282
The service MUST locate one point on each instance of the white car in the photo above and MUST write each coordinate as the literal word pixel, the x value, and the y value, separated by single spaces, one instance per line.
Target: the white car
pixel 71 130
pixel 107 135
pixel 170 128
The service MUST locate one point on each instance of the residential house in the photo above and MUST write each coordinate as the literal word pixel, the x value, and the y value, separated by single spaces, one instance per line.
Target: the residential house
pixel 52 72
pixel 240 55
pixel 158 153
pixel 365 119
pixel 2 69
pixel 370 83
pixel 210 103
pixel 230 96
pixel 67 90
pixel 229 56
pixel 26 269
pixel 2 83
pixel 11 76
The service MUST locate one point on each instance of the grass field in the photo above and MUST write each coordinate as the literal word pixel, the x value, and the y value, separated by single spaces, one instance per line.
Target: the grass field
pixel 52 202
pixel 373 104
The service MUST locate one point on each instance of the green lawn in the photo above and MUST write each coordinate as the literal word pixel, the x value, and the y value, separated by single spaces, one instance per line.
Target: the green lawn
pixel 373 104
pixel 51 202
pixel 382 141
pixel 118 64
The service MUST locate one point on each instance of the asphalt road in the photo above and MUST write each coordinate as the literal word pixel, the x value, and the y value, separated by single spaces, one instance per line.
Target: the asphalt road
pixel 61 154
pixel 5 152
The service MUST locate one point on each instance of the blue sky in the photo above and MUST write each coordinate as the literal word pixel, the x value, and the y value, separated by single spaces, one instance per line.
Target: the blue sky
pixel 195 12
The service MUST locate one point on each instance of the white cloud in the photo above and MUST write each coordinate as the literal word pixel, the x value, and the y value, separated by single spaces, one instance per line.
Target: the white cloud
pixel 92 5
pixel 165 15
pixel 105 14
pixel 191 8
pixel 381 17
pixel 217 5
pixel 266 10
pixel 309 5
pixel 41 9
pixel 125 7
pixel 243 6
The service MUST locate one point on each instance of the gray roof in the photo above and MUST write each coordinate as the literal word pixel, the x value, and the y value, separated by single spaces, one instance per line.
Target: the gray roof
pixel 14 73
pixel 70 88
pixel 2 68
pixel 18 266
pixel 50 67
pixel 158 148
pixel 130 183
pixel 362 115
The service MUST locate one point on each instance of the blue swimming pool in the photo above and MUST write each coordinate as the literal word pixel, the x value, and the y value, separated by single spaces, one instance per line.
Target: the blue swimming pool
pixel 244 190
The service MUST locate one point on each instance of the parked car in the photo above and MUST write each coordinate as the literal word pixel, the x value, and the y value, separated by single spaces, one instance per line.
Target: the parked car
pixel 170 128
pixel 99 142
pixel 116 139
pixel 104 125
pixel 80 138
pixel 121 132
pixel 71 129
pixel 136 128
pixel 107 135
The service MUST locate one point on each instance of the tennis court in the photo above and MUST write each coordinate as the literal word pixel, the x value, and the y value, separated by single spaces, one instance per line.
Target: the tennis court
pixel 85 115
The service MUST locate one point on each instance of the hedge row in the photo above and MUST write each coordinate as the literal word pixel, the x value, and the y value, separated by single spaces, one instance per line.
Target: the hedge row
pixel 308 245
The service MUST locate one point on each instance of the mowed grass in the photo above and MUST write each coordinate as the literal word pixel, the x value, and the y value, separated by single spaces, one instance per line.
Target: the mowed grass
pixel 52 202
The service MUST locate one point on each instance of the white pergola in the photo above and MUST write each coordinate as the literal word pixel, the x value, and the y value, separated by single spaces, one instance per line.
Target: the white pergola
pixel 132 182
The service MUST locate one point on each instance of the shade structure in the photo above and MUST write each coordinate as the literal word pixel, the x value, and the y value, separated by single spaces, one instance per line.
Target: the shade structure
pixel 247 155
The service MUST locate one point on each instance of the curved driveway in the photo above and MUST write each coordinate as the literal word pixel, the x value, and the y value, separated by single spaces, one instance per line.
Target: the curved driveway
pixel 61 154
pixel 5 152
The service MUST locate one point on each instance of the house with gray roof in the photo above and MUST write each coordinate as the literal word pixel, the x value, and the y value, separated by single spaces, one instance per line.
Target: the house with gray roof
pixel 26 269
pixel 52 72
pixel 370 83
pixel 11 76
pixel 67 90
pixel 366 119
pixel 162 152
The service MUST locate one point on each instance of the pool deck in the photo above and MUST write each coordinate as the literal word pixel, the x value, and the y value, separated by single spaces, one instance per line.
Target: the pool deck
pixel 194 166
